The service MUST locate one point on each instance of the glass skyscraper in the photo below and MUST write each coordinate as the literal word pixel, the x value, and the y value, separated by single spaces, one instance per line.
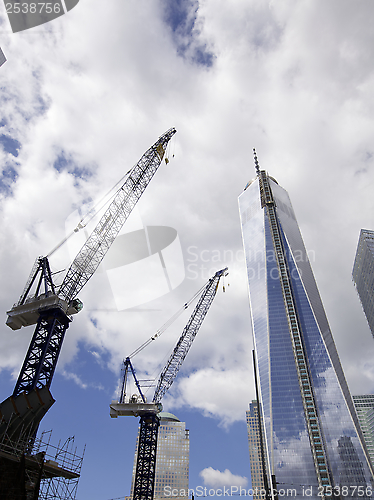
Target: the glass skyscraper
pixel 172 459
pixel 363 274
pixel 364 405
pixel 255 455
pixel 313 441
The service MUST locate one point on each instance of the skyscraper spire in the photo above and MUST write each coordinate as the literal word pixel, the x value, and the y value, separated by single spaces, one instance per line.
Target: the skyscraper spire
pixel 257 166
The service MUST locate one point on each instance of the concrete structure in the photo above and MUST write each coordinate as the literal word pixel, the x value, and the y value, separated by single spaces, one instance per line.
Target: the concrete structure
pixel 172 460
pixel 254 445
pixel 363 274
pixel 364 405
pixel 312 435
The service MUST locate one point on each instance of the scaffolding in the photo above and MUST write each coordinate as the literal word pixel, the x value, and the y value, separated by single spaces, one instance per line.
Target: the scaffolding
pixel 36 469
pixel 31 467
pixel 63 457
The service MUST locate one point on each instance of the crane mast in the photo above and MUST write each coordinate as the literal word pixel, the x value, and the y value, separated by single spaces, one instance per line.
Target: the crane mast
pixel 149 420
pixel 50 310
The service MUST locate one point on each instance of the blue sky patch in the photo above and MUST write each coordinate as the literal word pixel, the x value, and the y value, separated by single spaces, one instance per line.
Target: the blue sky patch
pixel 8 177
pixel 180 16
pixel 65 162
pixel 10 145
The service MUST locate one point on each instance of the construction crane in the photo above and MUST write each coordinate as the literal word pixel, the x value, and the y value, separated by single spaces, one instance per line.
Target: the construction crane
pixel 148 412
pixel 49 307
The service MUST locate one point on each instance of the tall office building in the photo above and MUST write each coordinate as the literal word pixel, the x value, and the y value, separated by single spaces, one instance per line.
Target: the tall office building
pixel 255 455
pixel 312 434
pixel 363 274
pixel 365 410
pixel 172 459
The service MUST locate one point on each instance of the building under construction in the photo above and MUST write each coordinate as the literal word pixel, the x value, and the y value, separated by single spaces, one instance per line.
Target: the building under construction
pixel 32 468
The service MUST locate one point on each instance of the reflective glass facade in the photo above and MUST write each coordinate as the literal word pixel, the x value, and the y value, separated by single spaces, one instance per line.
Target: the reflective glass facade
pixel 364 405
pixel 254 444
pixel 172 459
pixel 363 274
pixel 304 428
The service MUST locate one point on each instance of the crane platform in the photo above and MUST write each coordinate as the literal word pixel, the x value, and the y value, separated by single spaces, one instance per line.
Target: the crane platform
pixel 28 313
pixel 133 409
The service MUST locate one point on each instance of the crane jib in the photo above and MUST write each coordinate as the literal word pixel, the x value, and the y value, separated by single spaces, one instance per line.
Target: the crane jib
pixel 101 238
pixel 189 333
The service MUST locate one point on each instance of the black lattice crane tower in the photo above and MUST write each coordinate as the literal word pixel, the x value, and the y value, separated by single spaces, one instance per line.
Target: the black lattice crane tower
pixel 50 308
pixel 148 412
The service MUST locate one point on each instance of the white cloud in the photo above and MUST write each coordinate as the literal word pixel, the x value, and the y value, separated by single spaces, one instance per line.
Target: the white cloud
pixel 78 380
pixel 216 478
pixel 223 394
pixel 75 378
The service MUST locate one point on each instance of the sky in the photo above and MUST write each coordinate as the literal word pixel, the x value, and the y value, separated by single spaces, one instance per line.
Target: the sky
pixel 82 98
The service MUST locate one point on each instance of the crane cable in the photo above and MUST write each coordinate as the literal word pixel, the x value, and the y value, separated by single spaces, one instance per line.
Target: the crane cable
pixel 91 213
pixel 166 325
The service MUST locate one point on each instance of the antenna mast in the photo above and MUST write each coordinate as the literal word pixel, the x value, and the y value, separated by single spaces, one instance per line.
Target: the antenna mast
pixel 257 166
